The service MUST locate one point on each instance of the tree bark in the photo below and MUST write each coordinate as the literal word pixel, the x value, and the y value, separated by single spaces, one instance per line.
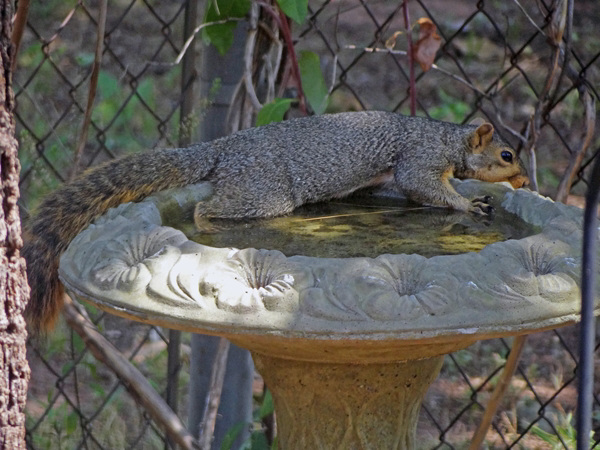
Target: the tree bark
pixel 14 291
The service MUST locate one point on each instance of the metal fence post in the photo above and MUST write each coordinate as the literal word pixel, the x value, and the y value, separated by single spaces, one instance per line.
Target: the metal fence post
pixel 236 399
pixel 588 321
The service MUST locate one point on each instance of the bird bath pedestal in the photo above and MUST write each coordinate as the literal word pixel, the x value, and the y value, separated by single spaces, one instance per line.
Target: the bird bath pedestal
pixel 347 345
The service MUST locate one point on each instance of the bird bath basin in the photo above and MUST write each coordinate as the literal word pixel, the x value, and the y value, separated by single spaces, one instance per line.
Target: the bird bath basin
pixel 350 328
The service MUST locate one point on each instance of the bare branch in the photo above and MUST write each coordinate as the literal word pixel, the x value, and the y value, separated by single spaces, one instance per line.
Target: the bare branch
pixel 564 187
pixel 535 25
pixel 286 32
pixel 19 28
pixel 543 103
pixel 215 388
pixel 87 118
pixel 64 23
pixel 461 80
pixel 190 39
pixel 375 50
pixel 499 391
pixel 411 60
pixel 248 58
pixel 134 381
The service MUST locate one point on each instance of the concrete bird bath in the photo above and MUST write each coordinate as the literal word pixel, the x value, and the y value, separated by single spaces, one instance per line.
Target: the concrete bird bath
pixel 348 345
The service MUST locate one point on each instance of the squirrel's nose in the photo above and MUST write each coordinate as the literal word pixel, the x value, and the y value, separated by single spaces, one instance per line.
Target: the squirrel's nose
pixel 519 181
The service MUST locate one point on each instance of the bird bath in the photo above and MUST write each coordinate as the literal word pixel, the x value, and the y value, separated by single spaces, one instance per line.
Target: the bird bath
pixel 350 334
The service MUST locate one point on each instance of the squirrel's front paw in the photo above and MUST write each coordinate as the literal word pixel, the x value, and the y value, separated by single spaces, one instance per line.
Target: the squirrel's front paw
pixel 481 205
pixel 205 226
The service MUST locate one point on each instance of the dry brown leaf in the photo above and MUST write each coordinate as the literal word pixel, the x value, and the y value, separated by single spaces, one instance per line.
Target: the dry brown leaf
pixel 391 41
pixel 428 44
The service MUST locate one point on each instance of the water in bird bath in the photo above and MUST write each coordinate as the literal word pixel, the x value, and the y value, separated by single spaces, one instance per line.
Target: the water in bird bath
pixel 360 226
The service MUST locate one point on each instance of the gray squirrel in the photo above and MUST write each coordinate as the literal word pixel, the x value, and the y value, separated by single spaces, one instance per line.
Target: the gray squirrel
pixel 270 171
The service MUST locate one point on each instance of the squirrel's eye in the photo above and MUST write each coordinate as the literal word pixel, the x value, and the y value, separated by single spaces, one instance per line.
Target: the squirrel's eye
pixel 507 156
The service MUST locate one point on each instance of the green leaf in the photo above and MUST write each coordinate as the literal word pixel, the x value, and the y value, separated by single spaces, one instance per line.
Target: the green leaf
pixel 267 407
pixel 258 441
pixel 66 367
pixel 274 111
pixel 231 435
pixel 78 344
pixel 85 59
pixel 71 423
pixel 221 36
pixel 294 9
pixel 108 85
pixel 313 83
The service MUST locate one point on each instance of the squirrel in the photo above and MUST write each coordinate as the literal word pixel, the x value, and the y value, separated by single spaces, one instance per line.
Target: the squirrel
pixel 269 171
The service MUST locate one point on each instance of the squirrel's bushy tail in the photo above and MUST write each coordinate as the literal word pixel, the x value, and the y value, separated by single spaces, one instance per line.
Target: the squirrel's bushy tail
pixel 67 211
pixel 46 299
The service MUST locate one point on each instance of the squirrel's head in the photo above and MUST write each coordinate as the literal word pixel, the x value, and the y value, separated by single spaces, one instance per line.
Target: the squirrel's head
pixel 491 159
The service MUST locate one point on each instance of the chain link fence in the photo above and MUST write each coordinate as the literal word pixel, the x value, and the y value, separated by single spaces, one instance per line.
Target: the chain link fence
pixel 498 60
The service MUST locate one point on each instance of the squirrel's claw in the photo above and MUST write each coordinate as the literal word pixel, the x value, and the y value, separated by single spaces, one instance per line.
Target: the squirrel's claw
pixel 481 205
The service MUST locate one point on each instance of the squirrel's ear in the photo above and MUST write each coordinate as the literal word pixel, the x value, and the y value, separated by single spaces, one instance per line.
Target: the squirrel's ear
pixel 477 121
pixel 481 137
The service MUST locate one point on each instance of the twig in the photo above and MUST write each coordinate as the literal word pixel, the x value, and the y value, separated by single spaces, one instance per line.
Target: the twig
pixel 63 24
pixel 375 50
pixel 190 39
pixel 215 388
pixel 133 380
pixel 287 37
pixel 532 136
pixel 411 60
pixel 461 80
pixel 498 116
pixel 245 101
pixel 19 29
pixel 87 118
pixel 544 97
pixel 576 158
pixel 499 391
pixel 337 216
pixel 529 17
pixel 272 70
pixel 284 26
pixel 248 53
pixel 567 24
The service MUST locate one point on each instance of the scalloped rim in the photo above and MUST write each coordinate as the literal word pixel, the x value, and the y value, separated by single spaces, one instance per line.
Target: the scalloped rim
pixel 485 303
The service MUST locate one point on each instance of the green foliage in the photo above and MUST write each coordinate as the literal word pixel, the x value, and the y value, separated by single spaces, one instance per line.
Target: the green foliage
pixel 257 439
pixel 231 435
pixel 313 82
pixel 566 431
pixel 31 56
pixel 59 430
pixel 547 177
pixel 451 109
pixel 294 9
pixel 274 111
pixel 221 35
pixel 133 127
pixel 267 406
pixel 124 112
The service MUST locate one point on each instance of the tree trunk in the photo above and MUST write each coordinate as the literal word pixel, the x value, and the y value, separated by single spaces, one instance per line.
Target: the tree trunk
pixel 14 291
